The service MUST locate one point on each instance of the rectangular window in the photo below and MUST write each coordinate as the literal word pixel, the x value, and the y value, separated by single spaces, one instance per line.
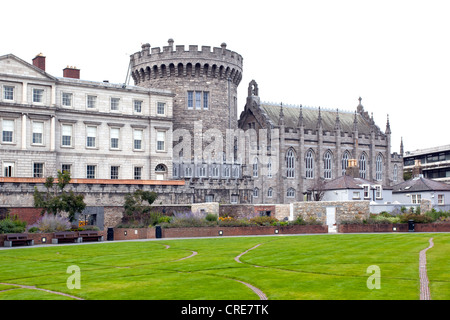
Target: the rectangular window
pixel 160 140
pixel 205 100
pixel 66 135
pixel 209 198
pixel 137 106
pixel 38 131
pixel 8 93
pixel 114 135
pixel 161 108
pixel 416 198
pixel 137 173
pixel 366 191
pixel 198 100
pixel 90 171
pixel 115 104
pixel 356 195
pixel 38 95
pixel 67 99
pixel 190 99
pixel 91 102
pixel 234 198
pixel 137 138
pixel 114 172
pixel 38 170
pixel 8 130
pixel 379 192
pixel 66 168
pixel 441 199
pixel 188 172
pixel 8 169
pixel 91 135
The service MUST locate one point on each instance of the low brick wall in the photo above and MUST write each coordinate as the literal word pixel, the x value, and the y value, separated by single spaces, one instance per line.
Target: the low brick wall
pixel 400 227
pixel 241 231
pixel 133 233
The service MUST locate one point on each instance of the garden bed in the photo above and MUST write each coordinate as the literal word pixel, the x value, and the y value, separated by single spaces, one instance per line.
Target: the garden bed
pixel 394 227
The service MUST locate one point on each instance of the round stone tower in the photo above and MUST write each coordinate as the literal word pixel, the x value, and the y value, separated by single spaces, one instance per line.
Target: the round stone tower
pixel 204 81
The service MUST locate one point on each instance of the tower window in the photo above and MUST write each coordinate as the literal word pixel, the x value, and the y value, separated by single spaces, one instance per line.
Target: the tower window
pixel 198 100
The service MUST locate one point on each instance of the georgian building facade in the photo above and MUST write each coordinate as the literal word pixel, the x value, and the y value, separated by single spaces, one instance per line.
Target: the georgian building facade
pixel 95 130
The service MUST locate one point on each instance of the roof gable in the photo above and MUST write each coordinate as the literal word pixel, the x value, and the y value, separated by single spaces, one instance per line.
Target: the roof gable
pixel 12 65
pixel 418 184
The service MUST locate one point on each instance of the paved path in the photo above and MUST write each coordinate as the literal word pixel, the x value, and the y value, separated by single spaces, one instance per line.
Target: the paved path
pixel 424 288
pixel 260 294
pixel 35 288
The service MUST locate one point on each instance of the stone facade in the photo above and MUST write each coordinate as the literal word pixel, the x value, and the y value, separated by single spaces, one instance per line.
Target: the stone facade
pixel 95 130
pixel 306 145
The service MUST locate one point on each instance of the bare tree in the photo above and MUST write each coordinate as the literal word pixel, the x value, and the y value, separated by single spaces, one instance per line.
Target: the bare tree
pixel 317 191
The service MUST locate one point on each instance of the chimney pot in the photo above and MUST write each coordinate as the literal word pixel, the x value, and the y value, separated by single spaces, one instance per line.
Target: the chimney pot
pixel 71 72
pixel 39 61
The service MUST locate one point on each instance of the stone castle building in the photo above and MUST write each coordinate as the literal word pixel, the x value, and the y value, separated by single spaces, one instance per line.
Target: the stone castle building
pixel 314 146
pixel 177 129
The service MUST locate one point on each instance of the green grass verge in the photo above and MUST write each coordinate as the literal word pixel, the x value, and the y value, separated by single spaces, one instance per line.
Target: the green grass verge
pixel 283 267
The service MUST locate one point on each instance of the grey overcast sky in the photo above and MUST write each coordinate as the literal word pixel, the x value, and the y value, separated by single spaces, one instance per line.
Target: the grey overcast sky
pixel 394 54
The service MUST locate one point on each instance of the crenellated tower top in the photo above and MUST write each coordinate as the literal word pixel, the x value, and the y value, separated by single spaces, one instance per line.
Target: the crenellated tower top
pixel 171 61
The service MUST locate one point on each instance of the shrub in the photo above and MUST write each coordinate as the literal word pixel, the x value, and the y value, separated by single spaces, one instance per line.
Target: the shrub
pixel 53 223
pixel 263 220
pixel 12 225
pixel 188 219
pixel 211 217
pixel 438 216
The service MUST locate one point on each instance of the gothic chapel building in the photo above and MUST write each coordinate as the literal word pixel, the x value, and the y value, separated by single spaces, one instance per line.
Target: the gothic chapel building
pixel 314 146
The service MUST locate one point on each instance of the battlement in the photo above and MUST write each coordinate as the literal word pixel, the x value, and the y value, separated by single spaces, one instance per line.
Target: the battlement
pixel 152 63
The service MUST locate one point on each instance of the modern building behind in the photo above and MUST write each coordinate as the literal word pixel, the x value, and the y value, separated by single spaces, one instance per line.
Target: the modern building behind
pixel 434 162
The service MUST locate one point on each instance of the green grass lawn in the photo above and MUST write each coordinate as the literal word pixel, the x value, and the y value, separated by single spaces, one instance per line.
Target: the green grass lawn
pixel 283 267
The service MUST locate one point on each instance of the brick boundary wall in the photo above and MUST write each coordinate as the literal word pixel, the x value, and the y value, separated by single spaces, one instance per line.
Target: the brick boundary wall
pixel 400 227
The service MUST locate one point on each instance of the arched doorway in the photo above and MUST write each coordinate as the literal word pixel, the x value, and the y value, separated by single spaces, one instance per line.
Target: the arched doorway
pixel 161 172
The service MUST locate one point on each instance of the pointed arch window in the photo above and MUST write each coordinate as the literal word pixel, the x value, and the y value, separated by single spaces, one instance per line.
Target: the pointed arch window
pixel 379 167
pixel 309 163
pixel 290 193
pixel 269 193
pixel 395 173
pixel 290 163
pixel 362 165
pixel 255 168
pixel 345 158
pixel 255 192
pixel 328 165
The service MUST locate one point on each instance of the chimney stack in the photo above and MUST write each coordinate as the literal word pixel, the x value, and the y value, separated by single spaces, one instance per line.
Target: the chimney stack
pixel 352 169
pixel 71 72
pixel 417 170
pixel 39 61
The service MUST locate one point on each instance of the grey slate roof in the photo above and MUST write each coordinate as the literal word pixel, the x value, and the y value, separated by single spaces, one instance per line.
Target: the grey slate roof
pixel 348 182
pixel 418 184
pixel 310 116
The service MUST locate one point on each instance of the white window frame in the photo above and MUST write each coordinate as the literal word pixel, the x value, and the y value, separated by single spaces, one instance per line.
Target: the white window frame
pixel 62 135
pixel 67 99
pixel 37 93
pixel 13 132
pixel 92 166
pixel 114 104
pixel 91 102
pixel 137 172
pixel 378 192
pixel 356 195
pixel 416 198
pixel 366 191
pixel 137 106
pixel 161 144
pixel 33 127
pixel 441 199
pixel 138 133
pixel 5 91
pixel 116 174
pixel 41 175
pixel 65 169
pixel 113 135
pixel 160 105
pixel 11 171
pixel 89 136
